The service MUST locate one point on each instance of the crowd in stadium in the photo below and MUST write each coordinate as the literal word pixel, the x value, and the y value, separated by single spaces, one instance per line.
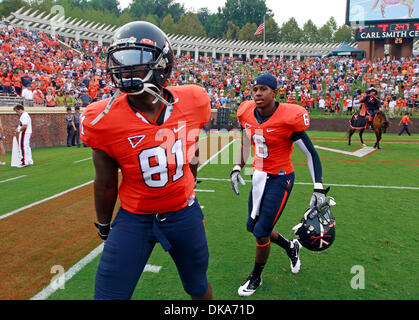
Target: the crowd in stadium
pixel 47 73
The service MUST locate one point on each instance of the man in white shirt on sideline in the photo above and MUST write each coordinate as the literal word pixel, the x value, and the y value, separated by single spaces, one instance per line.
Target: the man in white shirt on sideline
pixel 391 107
pixel 27 94
pixel 24 132
pixel 322 104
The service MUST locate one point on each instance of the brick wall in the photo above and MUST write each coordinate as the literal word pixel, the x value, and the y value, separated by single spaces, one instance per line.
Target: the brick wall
pixel 49 128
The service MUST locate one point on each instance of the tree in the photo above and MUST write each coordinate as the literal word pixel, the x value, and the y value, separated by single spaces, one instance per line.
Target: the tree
pixel 232 32
pixel 168 25
pixel 272 30
pixel 9 6
pixel 203 16
pixel 125 17
pixel 310 32
pixel 240 12
pixel 344 33
pixel 332 24
pixel 326 33
pixel 189 25
pixel 151 18
pixel 157 8
pixel 215 26
pixel 109 5
pixel 291 32
pixel 247 32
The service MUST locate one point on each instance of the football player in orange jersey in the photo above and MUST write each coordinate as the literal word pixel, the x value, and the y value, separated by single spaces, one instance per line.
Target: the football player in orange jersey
pixel 271 128
pixel 150 132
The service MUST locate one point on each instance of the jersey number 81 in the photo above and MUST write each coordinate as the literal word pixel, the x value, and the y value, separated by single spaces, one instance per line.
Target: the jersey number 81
pixel 157 176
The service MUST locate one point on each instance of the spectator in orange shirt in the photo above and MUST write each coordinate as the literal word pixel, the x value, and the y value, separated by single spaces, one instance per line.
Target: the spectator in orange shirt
pixel 92 93
pixel 38 96
pixel 50 98
pixel 405 121
pixel 6 83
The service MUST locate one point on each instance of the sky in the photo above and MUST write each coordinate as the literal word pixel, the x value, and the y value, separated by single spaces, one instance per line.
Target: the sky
pixel 319 11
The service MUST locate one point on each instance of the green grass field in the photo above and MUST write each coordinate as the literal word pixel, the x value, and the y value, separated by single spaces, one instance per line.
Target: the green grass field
pixel 376 227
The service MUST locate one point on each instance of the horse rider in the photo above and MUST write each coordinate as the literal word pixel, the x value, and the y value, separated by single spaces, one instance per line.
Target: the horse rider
pixel 372 103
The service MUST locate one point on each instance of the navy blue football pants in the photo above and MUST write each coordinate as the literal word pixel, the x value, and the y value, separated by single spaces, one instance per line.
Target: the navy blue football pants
pixel 132 239
pixel 275 196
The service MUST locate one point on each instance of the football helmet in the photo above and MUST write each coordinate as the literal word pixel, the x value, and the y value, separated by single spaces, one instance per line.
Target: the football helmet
pixel 316 231
pixel 139 46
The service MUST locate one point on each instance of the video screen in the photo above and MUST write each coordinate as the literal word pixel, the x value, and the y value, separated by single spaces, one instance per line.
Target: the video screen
pixel 372 11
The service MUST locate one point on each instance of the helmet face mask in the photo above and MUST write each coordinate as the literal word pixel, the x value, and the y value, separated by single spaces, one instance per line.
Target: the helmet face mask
pixel 316 231
pixel 140 56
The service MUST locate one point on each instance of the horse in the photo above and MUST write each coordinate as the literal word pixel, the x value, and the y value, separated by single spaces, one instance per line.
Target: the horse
pixel 380 125
pixel 389 3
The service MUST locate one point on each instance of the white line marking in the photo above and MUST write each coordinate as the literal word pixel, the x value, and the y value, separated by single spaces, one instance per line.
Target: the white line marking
pixel 216 155
pixel 11 179
pixel 44 200
pixel 83 160
pixel 360 153
pixel 329 184
pixel 209 191
pixel 49 290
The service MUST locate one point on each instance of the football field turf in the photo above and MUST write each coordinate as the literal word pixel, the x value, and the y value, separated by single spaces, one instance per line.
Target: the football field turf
pixel 376 230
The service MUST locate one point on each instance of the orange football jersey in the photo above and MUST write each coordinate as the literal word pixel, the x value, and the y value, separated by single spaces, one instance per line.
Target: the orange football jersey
pixel 154 160
pixel 271 142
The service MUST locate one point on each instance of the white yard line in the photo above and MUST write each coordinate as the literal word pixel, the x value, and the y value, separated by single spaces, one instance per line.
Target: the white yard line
pixel 360 153
pixel 208 191
pixel 50 289
pixel 78 161
pixel 44 200
pixel 327 184
pixel 11 179
pixel 216 155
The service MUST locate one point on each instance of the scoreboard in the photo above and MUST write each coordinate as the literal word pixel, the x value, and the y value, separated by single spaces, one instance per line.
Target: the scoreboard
pixel 383 31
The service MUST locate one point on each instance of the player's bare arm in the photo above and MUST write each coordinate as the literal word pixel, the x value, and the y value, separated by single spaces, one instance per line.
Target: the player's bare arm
pixel 193 165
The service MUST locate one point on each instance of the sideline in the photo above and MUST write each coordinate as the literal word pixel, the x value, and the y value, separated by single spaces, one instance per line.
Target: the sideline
pixel 11 179
pixel 50 289
pixel 56 195
pixel 78 161
pixel 44 200
pixel 328 184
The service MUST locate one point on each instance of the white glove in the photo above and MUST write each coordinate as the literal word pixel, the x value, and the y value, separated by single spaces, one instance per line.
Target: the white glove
pixel 235 177
pixel 319 199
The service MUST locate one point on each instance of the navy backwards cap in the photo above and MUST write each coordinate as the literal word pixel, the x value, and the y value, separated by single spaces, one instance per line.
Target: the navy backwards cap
pixel 266 80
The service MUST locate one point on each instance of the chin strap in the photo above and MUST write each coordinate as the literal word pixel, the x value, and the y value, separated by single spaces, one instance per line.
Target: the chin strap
pixel 108 107
pixel 148 87
pixel 154 91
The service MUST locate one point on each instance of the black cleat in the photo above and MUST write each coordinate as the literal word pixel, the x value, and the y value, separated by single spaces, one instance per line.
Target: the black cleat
pixel 294 255
pixel 249 286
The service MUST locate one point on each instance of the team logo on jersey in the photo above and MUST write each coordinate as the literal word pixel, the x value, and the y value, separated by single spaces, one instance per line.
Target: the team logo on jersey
pixel 135 141
pixel 247 126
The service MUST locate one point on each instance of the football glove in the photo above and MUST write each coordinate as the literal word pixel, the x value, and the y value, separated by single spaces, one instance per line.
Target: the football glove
pixel 319 199
pixel 103 230
pixel 235 178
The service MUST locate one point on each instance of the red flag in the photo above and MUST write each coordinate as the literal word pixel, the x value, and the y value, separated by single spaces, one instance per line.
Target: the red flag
pixel 260 29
